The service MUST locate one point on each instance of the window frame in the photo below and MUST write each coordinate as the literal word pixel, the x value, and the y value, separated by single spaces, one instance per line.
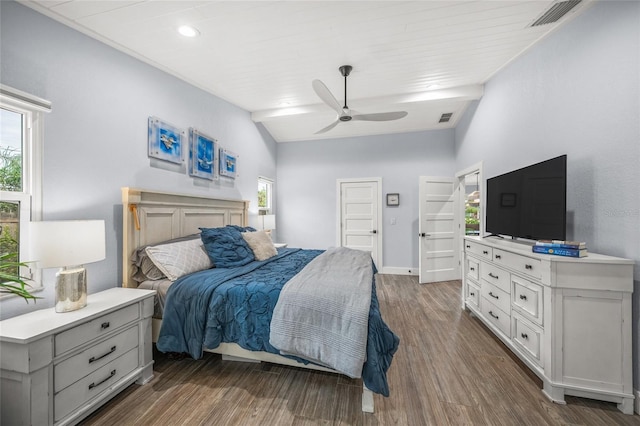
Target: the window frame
pixel 32 110
pixel 270 185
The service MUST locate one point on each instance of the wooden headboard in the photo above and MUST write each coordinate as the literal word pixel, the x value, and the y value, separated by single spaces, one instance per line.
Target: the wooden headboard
pixel 150 217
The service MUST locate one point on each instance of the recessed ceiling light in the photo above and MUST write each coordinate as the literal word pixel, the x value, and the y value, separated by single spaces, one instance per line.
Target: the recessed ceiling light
pixel 188 31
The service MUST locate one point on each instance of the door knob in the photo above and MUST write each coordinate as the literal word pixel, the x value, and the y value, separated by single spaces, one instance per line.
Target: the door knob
pixel 374 232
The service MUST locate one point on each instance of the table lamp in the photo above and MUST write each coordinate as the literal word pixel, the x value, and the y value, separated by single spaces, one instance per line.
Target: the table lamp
pixel 68 244
pixel 266 222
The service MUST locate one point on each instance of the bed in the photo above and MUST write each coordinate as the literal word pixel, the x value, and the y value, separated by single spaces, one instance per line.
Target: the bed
pixel 238 310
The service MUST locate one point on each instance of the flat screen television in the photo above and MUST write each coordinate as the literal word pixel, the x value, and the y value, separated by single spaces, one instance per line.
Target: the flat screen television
pixel 529 202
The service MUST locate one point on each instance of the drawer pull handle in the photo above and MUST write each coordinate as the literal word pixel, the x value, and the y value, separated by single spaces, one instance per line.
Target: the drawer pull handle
pixel 498 256
pixel 492 314
pixel 472 293
pixel 524 336
pixel 93 385
pixel 493 276
pixel 523 297
pixel 493 295
pixel 485 252
pixel 472 268
pixel 105 325
pixel 468 246
pixel 94 359
pixel 528 266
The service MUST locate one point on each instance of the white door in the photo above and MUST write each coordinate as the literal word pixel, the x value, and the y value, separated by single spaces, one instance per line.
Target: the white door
pixel 439 257
pixel 359 216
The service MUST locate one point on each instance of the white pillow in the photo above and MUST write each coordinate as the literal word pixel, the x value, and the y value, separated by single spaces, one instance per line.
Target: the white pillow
pixel 261 245
pixel 181 258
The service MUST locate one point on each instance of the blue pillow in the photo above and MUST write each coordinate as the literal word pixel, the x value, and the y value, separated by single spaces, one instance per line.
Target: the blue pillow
pixel 242 228
pixel 226 247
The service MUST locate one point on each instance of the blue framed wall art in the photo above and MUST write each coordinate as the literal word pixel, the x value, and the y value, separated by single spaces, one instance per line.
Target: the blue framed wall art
pixel 228 164
pixel 166 142
pixel 203 151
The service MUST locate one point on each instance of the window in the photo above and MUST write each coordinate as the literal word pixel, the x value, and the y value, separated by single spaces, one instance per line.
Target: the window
pixel 21 119
pixel 265 194
pixel 472 204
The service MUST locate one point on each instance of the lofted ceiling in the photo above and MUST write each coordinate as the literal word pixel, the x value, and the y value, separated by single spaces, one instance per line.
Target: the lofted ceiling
pixel 424 57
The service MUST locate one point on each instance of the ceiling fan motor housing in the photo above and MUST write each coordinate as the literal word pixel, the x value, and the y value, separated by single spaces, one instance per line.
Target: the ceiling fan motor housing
pixel 345 70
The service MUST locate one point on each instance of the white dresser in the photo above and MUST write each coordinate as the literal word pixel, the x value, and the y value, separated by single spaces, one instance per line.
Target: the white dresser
pixel 568 319
pixel 56 368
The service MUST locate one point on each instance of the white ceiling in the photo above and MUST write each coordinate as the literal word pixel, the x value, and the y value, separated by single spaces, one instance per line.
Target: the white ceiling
pixel 424 57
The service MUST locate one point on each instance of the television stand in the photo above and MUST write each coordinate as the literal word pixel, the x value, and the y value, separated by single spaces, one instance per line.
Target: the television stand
pixel 568 319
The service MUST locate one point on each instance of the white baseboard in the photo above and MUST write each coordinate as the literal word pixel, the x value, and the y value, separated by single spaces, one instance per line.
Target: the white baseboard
pixel 637 401
pixel 399 271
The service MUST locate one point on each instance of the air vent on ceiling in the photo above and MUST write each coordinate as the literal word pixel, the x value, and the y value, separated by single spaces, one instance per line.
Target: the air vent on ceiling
pixel 555 12
pixel 444 118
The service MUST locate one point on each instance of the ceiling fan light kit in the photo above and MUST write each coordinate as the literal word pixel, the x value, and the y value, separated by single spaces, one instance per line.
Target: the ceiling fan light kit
pixel 344 113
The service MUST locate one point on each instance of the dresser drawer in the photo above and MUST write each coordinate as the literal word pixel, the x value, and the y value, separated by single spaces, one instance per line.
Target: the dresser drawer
pixel 528 338
pixel 496 296
pixel 496 276
pixel 527 298
pixel 92 385
pixel 522 264
pixel 84 333
pixel 473 295
pixel 478 249
pixel 496 316
pixel 72 369
pixel 473 269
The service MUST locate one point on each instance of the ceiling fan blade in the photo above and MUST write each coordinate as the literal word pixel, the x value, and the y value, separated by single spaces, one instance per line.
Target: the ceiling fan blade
pixel 329 127
pixel 381 116
pixel 326 96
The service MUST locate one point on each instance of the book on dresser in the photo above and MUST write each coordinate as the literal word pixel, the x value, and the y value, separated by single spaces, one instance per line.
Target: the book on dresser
pixel 577 245
pixel 559 251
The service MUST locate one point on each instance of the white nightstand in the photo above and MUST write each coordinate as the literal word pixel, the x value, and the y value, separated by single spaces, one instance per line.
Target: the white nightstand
pixel 279 245
pixel 56 368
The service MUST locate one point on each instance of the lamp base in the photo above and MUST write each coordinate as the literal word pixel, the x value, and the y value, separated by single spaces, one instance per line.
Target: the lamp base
pixel 71 289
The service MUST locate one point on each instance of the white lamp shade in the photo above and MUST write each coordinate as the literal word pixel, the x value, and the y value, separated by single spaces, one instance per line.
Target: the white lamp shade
pixel 67 242
pixel 263 222
pixel 268 221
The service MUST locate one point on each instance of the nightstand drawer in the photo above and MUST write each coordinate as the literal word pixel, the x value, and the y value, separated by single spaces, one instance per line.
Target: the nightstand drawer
pixel 496 276
pixel 89 360
pixel 84 333
pixel 92 385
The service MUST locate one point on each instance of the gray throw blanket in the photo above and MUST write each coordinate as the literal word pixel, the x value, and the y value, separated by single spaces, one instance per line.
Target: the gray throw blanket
pixel 323 311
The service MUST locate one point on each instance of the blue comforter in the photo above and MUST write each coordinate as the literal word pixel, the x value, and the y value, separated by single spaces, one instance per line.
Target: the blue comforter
pixel 235 305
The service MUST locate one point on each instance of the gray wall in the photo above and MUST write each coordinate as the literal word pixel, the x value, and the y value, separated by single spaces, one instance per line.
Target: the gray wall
pixel 576 93
pixel 307 174
pixel 96 137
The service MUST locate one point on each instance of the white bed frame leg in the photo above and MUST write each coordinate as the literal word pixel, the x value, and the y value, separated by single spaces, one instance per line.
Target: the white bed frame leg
pixel 367 400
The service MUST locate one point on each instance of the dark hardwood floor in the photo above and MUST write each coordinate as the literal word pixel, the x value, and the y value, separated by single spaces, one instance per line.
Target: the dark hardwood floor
pixel 449 370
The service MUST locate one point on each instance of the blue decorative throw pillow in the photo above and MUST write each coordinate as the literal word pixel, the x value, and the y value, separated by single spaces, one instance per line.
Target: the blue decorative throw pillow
pixel 242 228
pixel 226 247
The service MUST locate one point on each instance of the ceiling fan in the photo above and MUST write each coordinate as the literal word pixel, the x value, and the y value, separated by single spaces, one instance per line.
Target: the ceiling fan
pixel 344 113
